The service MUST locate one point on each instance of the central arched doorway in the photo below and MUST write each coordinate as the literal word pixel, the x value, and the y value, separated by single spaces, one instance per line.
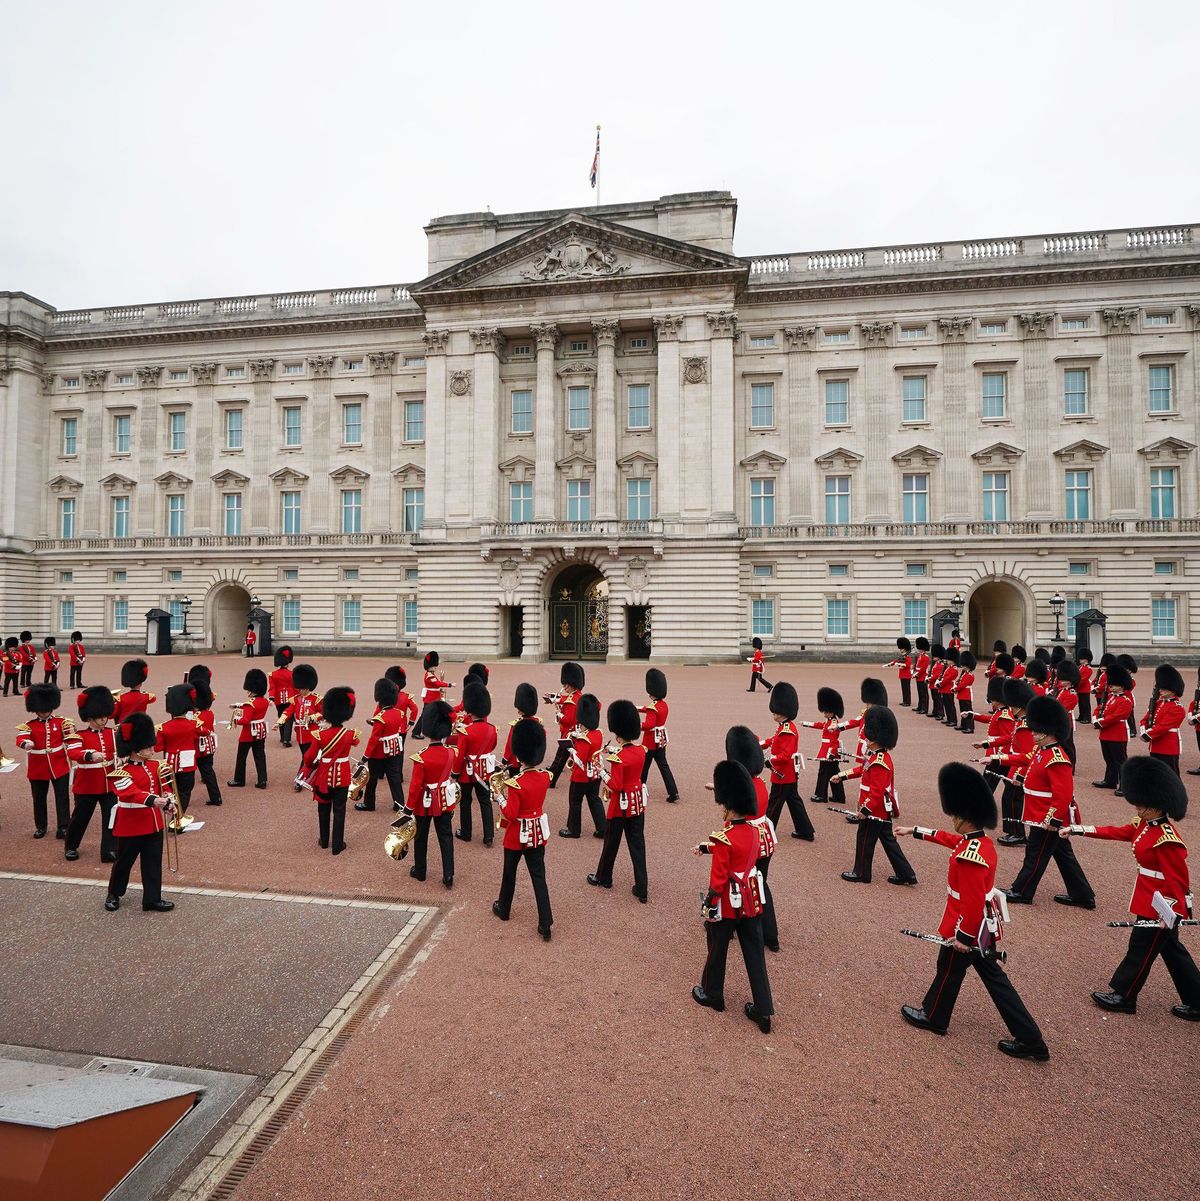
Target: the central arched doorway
pixel 229 610
pixel 996 611
pixel 578 603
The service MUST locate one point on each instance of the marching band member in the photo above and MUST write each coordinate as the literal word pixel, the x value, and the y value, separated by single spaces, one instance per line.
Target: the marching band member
pixel 526 826
pixel 782 753
pixel 44 737
pixel 936 669
pixel 137 816
pixel 1064 691
pixel 206 739
pixel 10 661
pixel 327 764
pixel 921 675
pixel 904 666
pixel 586 744
pixel 131 698
pixel 433 688
pixel 999 647
pixel 76 657
pixel 179 740
pixel 970 909
pixel 1049 805
pixel 1193 717
pixel 525 701
pixel 878 803
pixel 756 662
pixel 279 691
pixel 385 745
pixel 26 657
pixel 829 754
pixel 1013 760
pixel 406 706
pixel 432 794
pixel 621 773
pixel 475 761
pixel 1112 720
pixel 742 746
pixel 1019 655
pixel 1100 688
pixel 305 710
pixel 654 732
pixel 1160 726
pixel 947 686
pixel 999 729
pixel 871 692
pixel 50 660
pixel 1129 663
pixel 1158 795
pixel 565 702
pixel 251 722
pixel 966 701
pixel 94 753
pixel 733 902
pixel 1083 663
pixel 1037 675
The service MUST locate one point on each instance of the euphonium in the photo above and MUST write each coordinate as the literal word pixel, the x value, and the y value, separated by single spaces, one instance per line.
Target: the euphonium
pixel 358 781
pixel 403 830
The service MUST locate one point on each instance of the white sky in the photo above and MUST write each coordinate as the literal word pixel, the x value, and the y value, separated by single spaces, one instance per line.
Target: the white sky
pixel 156 150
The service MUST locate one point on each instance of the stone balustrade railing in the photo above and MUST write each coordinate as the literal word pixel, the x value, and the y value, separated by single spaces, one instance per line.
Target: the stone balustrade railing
pixel 572 529
pixel 224 541
pixel 971 529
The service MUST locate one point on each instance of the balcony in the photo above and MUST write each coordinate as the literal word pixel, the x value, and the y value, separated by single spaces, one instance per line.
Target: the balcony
pixel 934 530
pixel 529 530
pixel 224 542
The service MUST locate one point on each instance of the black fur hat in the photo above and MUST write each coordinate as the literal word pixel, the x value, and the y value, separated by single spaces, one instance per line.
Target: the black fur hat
pixel 42 698
pixel 180 699
pixel 304 676
pixel 656 684
pixel 1017 694
pixel 1040 652
pixel 1129 663
pixel 734 789
pixel 1068 673
pixel 436 722
pixel 587 712
pixel 529 742
pixel 967 660
pixel 26 635
pixel 199 671
pixel 922 643
pixel 525 699
pixel 937 651
pixel 396 674
pixel 783 701
pixel 1057 655
pixel 1045 715
pixel 480 670
pixel 471 678
pixel 10 643
pixel 204 694
pixel 880 726
pixel 1118 677
pixel 1107 659
pixel 952 655
pixel 964 794
pixel 1167 679
pixel 431 660
pixel 386 692
pixel 284 656
pixel 1037 671
pixel 1019 653
pixel 999 647
pixel 742 746
pixel 756 643
pixel 96 701
pixel 1151 783
pixel 1005 663
pixel 873 692
pixel 903 644
pixel 136 733
pixel 1083 655
pixel 134 673
pixel 829 700
pixel 49 641
pixel 255 682
pixel 571 675
pixel 337 706
pixel 995 692
pixel 76 636
pixel 623 720
pixel 477 701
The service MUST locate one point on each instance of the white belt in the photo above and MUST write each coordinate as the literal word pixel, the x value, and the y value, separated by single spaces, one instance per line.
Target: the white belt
pixel 1030 792
pixel 53 750
pixel 953 893
pixel 132 805
pixel 1145 871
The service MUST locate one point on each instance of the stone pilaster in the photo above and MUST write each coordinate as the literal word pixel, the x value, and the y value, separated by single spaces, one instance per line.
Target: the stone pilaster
pixel 1040 468
pixel 1125 410
pixel 436 432
pixel 666 331
pixel 545 423
pixel 879 401
pixel 386 426
pixel 258 454
pixel 723 331
pixel 326 438
pixel 606 331
pixel 90 518
pixel 485 428
pixel 802 419
pixel 957 490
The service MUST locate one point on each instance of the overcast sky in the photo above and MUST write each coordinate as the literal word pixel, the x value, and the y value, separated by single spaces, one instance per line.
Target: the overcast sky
pixel 156 150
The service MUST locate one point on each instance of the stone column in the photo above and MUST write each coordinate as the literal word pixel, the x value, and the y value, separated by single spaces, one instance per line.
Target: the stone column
pixel 202 413
pixel 89 519
pixel 956 491
pixel 545 424
pixel 326 440
pixel 485 428
pixel 606 331
pixel 1041 469
pixel 1124 411
pixel 666 332
pixel 723 330
pixel 880 405
pixel 378 514
pixel 802 419
pixel 256 508
pixel 435 428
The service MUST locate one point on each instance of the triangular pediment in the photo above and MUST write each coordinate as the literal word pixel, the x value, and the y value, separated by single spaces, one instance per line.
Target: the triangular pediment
pixel 763 460
pixel 998 452
pixel 409 473
pixel 839 457
pixel 574 251
pixel 1084 448
pixel 288 476
pixel 172 479
pixel 223 479
pixel 917 455
pixel 576 459
pixel 64 483
pixel 1167 448
pixel 636 458
pixel 115 480
pixel 348 474
pixel 517 463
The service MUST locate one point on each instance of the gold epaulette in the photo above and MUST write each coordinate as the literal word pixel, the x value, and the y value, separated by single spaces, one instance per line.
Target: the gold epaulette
pixel 719 836
pixel 1167 836
pixel 879 757
pixel 416 758
pixel 970 854
pixel 1058 755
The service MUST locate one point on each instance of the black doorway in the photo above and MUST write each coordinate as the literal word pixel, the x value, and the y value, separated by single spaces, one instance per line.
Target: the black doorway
pixel 578 608
pixel 638 631
pixel 513 624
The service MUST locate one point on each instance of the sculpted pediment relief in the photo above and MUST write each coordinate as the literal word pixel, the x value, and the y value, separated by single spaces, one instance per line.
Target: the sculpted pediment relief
pixel 1084 449
pixel 1167 448
pixel 839 457
pixel 998 452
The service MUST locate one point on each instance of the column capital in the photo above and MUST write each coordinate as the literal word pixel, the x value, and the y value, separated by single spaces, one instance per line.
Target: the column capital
pixel 666 327
pixel 546 335
pixel 1119 320
pixel 800 337
pixel 381 361
pixel 1194 313
pixel 205 373
pixel 487 340
pixel 605 330
pixel 1035 324
pixel 321 364
pixel 262 369
pixel 955 329
pixel 722 325
pixel 95 379
pixel 48 378
pixel 149 375
pixel 436 341
pixel 875 333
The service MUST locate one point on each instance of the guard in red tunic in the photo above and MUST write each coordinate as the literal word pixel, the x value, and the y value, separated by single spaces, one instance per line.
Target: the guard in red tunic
pixel 137 816
pixel 586 745
pixel 999 647
pixel 999 729
pixel 432 792
pixel 206 739
pixel 1083 661
pixel 1037 676
pixel 621 785
pixel 251 722
pixel 947 687
pixel 871 692
pixel 733 902
pixel 433 689
pixel 475 761
pixel 251 640
pixel 829 754
pixel 406 706
pixel 131 699
pixel 93 751
pixel 1019 655
pixel 305 710
pixel 742 746
pixel 782 753
pixel 385 746
pixel 280 690
pixel 179 740
pixel 1112 720
pixel 1130 664
pixel 1049 805
pixel 654 732
pixel 1193 717
pixel 921 675
pixel 44 738
pixel 1162 892
pixel 525 701
pixel 1013 761
pixel 525 824
pixel 972 917
pixel 936 671
pixel 1064 690
pixel 76 657
pixel 963 694
pixel 904 669
pixel 565 702
pixel 50 660
pixel 26 657
pixel 327 765
pixel 1160 726
pixel 10 661
pixel 756 661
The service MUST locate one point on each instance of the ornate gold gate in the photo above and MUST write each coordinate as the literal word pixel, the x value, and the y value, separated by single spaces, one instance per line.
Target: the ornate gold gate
pixel 579 614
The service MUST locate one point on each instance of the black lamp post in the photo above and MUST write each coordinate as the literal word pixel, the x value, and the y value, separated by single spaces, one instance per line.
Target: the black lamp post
pixel 1058 603
pixel 255 603
pixel 957 604
pixel 185 604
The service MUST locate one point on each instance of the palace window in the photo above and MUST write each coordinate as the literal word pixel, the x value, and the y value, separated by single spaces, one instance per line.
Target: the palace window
pixel 120 616
pixel 414 421
pixel 991 329
pixel 177 431
pixel 763 571
pixel 837 402
pixel 637 500
pixel 1070 323
pixel 839 570
pixel 233 428
pixel 520 500
pixel 411 619
pixel 412 573
pixel 837 500
pixel 994 396
pixel 122 434
pixel 178 375
pixel 915 569
pixel 293 369
pixel 1162 388
pixel 1075 391
pixel 1160 318
pixel 762 502
pixel 837 335
pixel 522 350
pixel 1079 568
pixel 66 615
pixel 913 405
pixel 1163 617
pixel 579 346
pixel 995 496
pixel 414 360
pixel 352 424
pixel 289 503
pixel 579 500
pixel 233 514
pixel 352 364
pixel 916 498
pixel 176 515
pixel 349 573
pixel 70 435
pixel 120 517
pixel 908 333
pixel 351 616
pixel 414 509
pixel 638 398
pixel 762 341
pixel 522 411
pixel 837 617
pixel 579 408
pixel 70 381
pixel 638 343
pixel 235 372
pixel 1075 606
pixel 762 406
pixel 916 618
pixel 1162 492
pixel 66 517
pixel 291 426
pixel 120 577
pixel 291 575
pixel 762 617
pixel 291 616
pixel 174 576
pixel 1078 495
pixel 175 608
pixel 1164 567
pixel 351 510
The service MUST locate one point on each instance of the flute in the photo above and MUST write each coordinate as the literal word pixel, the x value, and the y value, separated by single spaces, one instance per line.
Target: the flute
pixel 1142 924
pixel 990 953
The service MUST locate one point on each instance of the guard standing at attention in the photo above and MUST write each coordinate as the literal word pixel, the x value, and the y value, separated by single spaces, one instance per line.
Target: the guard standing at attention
pixel 76 656
pixel 654 732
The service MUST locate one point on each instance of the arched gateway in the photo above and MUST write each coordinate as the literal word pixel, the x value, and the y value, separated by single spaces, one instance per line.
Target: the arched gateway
pixel 228 611
pixel 997 609
pixel 577 603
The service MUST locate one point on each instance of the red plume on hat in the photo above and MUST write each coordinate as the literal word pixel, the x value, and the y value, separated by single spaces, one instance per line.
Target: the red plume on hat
pixel 80 698
pixel 353 699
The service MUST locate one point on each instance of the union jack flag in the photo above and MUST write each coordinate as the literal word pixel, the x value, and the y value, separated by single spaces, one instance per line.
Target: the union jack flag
pixel 596 160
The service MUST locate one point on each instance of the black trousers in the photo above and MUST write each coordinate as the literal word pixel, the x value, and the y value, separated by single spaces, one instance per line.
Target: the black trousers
pixel 871 831
pixel 62 802
pixel 1044 845
pixel 943 992
pixel 756 678
pixel 50 677
pixel 207 773
pixel 76 676
pixel 922 696
pixel 588 790
pixel 85 806
pixel 561 758
pixel 828 789
pixel 1011 803
pixel 658 754
pixel 331 807
pixel 285 730
pixel 789 794
pixel 1145 946
pixel 1085 707
pixel 12 683
pixel 634 831
pixel 535 861
pixel 26 676
pixel 1115 754
pixel 949 713
pixel 770 926
pixel 443 828
pixel 750 935
pixel 967 717
pixel 935 703
pixel 1172 761
pixel 149 849
pixel 377 769
pixel 185 781
pixel 905 690
pixel 259 748
pixel 487 818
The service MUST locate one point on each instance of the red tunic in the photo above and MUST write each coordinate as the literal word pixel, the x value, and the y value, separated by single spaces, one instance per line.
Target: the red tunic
pixel 46 744
pixel 132 700
pixel 385 739
pixel 831 738
pixel 526 826
pixel 584 766
pixel 1161 864
pixel 969 880
pixel 1069 699
pixel 1000 730
pixel 508 757
pixel 1114 721
pixel 654 725
pixel 433 688
pixel 305 713
pixel 252 720
pixel 566 705
pixel 431 792
pixel 135 785
pixel 923 661
pixel 77 652
pixel 756 663
pixel 328 759
pixel 50 659
pixel 475 755
pixel 279 686
pixel 762 823
pixel 876 787
pixel 407 708
pixel 91 779
pixel 1085 679
pixel 965 681
pixel 26 654
pixel 734 884
pixel 781 748
pixel 1020 749
pixel 1163 735
pixel 1017 672
pixel 179 739
pixel 206 732
pixel 946 680
pixel 11 662
pixel 1049 788
pixel 622 773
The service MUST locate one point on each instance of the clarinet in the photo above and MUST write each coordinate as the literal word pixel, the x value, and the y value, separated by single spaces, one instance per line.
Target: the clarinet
pixel 1148 723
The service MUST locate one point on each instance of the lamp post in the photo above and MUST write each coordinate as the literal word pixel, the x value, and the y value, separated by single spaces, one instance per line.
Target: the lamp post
pixel 1058 603
pixel 957 603
pixel 255 603
pixel 186 605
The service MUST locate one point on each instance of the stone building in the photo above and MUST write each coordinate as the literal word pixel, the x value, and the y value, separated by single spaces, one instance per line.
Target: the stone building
pixel 600 432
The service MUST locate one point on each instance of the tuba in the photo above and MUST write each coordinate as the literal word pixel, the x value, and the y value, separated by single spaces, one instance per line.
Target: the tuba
pixel 358 781
pixel 403 830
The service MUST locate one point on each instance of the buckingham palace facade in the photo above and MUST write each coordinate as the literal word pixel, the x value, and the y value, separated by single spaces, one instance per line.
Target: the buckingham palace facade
pixel 602 433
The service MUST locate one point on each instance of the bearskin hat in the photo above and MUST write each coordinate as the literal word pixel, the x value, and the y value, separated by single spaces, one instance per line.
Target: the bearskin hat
pixel 436 721
pixel 1045 715
pixel 199 671
pixel 1151 783
pixel 1017 694
pixel 395 673
pixel 49 641
pixel 1037 671
pixel 742 746
pixel 756 643
pixel 964 794
pixel 1068 673
pixel 1040 652
pixel 656 684
pixel 1167 679
pixel 783 701
pixel 26 635
pixel 1019 653
pixel 623 720
pixel 76 636
pixel 1005 663
pixel 995 692
pixel 1129 663
pixel 1107 659
pixel 525 699
pixel 9 643
pixel 1083 655
pixel 180 699
pixel 481 670
pixel 829 700
pixel 134 673
pixel 937 651
pixel 284 656
pixel 879 726
pixel 471 678
pixel 1057 655
pixel 587 712
pixel 1118 677
pixel 386 692
pixel 922 643
pixel 477 701
pixel 571 675
pixel 873 692
pixel 204 694
pixel 951 655
pixel 903 644
pixel 42 698
pixel 304 677
pixel 431 660
pixel 255 682
pixel 337 706
pixel 529 742
pixel 135 733
pixel 734 789
pixel 967 660
pixel 999 647
pixel 96 701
